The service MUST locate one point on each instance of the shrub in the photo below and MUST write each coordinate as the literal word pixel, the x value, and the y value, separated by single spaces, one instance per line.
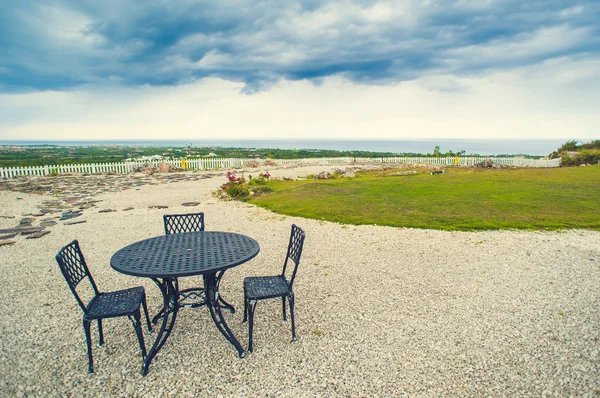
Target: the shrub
pixel 260 180
pixel 567 160
pixel 586 153
pixel 582 157
pixel 589 156
pixel 570 145
pixel 236 187
pixel 591 145
pixel 239 187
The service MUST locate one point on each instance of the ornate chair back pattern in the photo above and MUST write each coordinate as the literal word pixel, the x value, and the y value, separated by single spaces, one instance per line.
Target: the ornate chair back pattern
pixel 294 251
pixel 74 268
pixel 178 223
pixel 102 305
pixel 268 287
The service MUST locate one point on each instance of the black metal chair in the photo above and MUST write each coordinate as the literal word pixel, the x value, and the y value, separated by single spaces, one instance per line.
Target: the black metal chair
pixel 103 304
pixel 266 287
pixel 178 223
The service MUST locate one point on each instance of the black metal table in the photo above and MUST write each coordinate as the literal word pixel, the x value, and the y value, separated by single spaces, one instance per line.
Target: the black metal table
pixel 166 258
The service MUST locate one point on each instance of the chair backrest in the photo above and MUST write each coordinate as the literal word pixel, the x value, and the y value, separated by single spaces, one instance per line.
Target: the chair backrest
pixel 294 251
pixel 74 268
pixel 177 223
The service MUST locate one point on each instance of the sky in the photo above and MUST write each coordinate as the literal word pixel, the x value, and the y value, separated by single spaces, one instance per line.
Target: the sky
pixel 190 69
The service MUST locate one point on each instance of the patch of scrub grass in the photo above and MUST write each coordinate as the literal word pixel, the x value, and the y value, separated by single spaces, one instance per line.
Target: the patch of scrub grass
pixel 461 199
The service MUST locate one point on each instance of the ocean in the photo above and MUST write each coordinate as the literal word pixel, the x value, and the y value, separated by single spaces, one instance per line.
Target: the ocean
pixel 471 147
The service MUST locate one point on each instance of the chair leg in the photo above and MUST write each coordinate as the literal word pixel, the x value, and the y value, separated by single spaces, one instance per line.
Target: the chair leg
pixel 291 299
pixel 100 333
pixel 245 310
pixel 146 312
pixel 283 306
pixel 137 325
pixel 251 308
pixel 88 340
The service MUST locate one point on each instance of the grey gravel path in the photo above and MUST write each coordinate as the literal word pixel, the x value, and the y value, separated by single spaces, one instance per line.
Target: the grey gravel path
pixel 380 311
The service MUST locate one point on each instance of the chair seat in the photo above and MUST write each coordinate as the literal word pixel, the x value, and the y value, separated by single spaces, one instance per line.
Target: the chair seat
pixel 114 304
pixel 264 287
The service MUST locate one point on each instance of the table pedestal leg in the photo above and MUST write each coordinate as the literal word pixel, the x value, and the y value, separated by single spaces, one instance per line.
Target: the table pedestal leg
pixel 211 287
pixel 169 314
pixel 220 299
pixel 175 285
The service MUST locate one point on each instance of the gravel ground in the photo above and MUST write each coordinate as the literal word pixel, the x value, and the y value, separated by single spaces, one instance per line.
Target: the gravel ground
pixel 380 311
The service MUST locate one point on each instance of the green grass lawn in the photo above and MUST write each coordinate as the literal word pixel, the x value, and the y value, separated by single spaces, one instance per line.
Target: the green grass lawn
pixel 460 199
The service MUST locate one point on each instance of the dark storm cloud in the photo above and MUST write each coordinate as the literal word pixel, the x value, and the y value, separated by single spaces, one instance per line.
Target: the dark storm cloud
pixel 55 45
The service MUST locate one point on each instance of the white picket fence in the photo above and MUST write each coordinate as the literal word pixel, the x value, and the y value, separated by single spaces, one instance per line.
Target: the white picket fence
pixel 217 163
pixel 468 161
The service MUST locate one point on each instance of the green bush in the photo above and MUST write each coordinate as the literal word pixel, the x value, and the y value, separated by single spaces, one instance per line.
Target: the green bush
pixel 591 156
pixel 570 145
pixel 567 160
pixel 260 180
pixel 586 153
pixel 236 187
pixel 591 145
pixel 240 188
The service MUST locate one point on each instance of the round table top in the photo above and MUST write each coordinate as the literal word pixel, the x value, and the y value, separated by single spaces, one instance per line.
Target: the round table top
pixel 185 254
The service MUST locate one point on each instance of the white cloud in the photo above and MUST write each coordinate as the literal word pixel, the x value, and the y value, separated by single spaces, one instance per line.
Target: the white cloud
pixel 571 12
pixel 213 59
pixel 62 44
pixel 63 27
pixel 551 100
